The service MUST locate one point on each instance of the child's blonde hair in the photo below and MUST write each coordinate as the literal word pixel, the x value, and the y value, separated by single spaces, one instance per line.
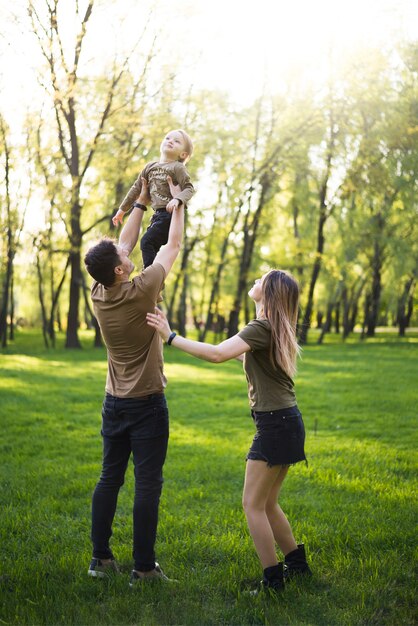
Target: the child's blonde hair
pixel 187 143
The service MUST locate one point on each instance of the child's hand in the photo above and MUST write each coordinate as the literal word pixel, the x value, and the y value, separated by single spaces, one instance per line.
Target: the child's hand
pixel 118 218
pixel 174 190
pixel 173 204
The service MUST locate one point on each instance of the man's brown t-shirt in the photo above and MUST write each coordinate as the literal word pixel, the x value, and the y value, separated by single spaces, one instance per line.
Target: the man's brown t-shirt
pixel 134 349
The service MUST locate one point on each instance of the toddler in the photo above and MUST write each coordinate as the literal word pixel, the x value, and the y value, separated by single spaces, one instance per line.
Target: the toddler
pixel 175 150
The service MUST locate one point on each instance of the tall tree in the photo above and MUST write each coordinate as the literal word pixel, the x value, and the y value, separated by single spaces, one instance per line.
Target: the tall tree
pixel 13 225
pixel 326 200
pixel 71 111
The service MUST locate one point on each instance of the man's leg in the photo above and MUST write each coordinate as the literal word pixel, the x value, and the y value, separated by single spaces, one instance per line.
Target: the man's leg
pixel 149 457
pixel 116 452
pixel 149 447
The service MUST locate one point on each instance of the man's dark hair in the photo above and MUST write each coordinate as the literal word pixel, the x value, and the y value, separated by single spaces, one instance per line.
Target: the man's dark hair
pixel 101 261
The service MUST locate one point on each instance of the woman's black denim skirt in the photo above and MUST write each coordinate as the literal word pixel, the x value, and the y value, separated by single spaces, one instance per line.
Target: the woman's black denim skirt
pixel 280 437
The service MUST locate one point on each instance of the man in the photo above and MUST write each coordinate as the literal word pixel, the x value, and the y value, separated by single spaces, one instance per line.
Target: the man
pixel 134 414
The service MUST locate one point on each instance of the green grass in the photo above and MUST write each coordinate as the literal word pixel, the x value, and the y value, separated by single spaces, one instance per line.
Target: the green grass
pixel 354 505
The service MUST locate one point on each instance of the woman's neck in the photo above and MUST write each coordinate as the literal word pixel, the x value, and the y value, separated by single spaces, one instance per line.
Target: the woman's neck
pixel 259 309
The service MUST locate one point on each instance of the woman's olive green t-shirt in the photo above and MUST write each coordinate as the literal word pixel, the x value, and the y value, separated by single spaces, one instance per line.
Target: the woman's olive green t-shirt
pixel 269 387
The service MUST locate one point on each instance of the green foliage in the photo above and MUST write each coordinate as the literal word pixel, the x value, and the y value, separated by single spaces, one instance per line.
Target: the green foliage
pixel 353 505
pixel 358 133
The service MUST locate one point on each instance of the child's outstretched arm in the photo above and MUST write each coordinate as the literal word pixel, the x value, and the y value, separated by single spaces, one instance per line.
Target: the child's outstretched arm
pixel 143 198
pixel 130 232
pixel 130 198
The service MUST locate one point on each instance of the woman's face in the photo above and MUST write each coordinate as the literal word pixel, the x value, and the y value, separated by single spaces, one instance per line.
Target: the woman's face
pixel 255 292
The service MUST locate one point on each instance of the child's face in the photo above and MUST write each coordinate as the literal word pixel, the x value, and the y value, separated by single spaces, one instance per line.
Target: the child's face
pixel 173 146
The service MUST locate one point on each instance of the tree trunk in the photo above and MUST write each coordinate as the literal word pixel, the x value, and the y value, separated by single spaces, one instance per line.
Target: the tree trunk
pixel 366 320
pixel 319 318
pixel 98 343
pixel 409 310
pixel 346 312
pixel 170 308
pixel 5 298
pixel 72 340
pixel 337 318
pixel 306 321
pixel 354 313
pixel 9 238
pixel 296 233
pixel 217 280
pixel 354 304
pixel 376 291
pixel 12 307
pixel 324 213
pixel 326 327
pixel 182 310
pixel 42 301
pixel 188 248
pixel 55 294
pixel 404 311
pixel 250 236
pixel 208 263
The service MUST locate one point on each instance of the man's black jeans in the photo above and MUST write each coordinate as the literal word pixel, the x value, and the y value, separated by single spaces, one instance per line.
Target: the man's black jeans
pixel 140 426
pixel 155 236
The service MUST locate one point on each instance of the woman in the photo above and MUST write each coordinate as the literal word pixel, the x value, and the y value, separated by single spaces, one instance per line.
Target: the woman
pixel 268 348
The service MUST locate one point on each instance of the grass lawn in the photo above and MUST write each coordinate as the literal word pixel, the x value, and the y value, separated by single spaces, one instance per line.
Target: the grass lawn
pixel 354 506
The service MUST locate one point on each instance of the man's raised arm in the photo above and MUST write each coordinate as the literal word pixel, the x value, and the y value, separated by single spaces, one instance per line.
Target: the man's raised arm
pixel 168 253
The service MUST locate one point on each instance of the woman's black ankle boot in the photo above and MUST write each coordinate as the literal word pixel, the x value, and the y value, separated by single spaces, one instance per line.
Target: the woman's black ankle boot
pixel 273 577
pixel 295 563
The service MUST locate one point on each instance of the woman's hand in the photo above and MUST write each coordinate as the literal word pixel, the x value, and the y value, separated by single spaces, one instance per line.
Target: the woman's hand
pixel 158 320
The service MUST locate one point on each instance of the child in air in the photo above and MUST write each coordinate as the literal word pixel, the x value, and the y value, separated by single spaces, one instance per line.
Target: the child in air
pixel 175 150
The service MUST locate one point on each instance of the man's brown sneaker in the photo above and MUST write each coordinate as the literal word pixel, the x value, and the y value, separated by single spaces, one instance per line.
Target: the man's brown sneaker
pixel 155 574
pixel 98 569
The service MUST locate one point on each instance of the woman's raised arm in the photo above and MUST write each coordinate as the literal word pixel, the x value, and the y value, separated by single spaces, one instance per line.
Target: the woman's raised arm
pixel 228 349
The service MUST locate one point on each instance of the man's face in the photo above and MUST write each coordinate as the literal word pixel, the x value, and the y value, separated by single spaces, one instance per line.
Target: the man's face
pixel 125 262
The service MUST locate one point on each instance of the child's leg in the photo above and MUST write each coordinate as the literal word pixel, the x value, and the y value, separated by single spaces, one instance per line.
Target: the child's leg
pixel 155 236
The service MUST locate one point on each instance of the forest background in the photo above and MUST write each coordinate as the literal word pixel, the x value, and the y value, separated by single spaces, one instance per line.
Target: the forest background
pixel 305 124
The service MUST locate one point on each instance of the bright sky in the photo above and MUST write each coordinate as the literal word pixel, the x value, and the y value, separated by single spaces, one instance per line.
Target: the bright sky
pixel 248 42
pixel 234 45
pixel 237 46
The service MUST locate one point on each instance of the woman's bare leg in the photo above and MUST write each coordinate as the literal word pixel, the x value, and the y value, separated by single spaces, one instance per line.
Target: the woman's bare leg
pixel 278 521
pixel 259 481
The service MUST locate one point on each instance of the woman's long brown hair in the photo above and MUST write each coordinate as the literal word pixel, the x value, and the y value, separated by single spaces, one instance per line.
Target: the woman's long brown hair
pixel 281 302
